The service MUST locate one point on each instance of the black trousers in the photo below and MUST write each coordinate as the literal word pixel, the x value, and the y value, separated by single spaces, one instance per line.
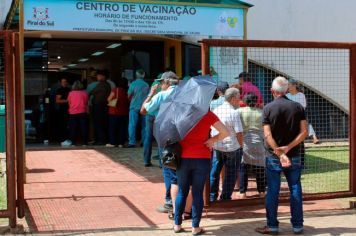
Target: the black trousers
pixel 260 177
pixel 100 120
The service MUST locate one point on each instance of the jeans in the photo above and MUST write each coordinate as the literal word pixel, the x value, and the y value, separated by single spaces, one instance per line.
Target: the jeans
pixel 117 129
pixel 192 171
pixel 293 173
pixel 100 120
pixel 81 121
pixel 147 143
pixel 134 114
pixel 232 161
pixel 260 177
pixel 169 177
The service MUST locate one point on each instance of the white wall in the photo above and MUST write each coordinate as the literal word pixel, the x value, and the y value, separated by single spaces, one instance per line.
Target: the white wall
pixel 4 9
pixel 307 20
pixel 311 20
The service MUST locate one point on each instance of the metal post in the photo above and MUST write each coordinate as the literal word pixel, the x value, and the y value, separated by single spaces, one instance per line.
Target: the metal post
pixel 205 54
pixel 20 120
pixel 4 214
pixel 10 127
pixel 353 120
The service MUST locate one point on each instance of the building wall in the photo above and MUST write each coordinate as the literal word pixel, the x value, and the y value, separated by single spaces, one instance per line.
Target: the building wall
pixel 305 20
pixel 316 20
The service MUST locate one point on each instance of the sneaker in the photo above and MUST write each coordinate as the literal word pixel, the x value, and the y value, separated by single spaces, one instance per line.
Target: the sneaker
pixel 109 145
pixel 299 230
pixel 121 146
pixel 66 143
pixel 242 196
pixel 165 208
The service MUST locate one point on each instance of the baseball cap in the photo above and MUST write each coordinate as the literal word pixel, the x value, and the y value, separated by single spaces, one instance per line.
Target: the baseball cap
pixel 243 74
pixel 292 81
pixel 168 75
pixel 159 77
pixel 222 86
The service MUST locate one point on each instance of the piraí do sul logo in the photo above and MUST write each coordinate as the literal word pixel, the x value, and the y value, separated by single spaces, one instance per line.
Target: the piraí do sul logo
pixel 40 13
pixel 40 17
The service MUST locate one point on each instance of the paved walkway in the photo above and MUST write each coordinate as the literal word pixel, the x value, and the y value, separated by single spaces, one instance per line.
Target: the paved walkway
pixel 107 191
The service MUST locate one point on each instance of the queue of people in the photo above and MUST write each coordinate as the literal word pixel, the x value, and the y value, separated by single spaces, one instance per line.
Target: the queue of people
pixel 238 135
pixel 238 143
pixel 87 111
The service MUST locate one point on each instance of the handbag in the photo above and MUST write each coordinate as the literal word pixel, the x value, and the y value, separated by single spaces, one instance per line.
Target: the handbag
pixel 171 155
pixel 113 103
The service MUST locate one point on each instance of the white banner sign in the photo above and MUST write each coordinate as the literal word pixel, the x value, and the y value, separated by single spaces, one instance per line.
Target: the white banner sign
pixel 133 18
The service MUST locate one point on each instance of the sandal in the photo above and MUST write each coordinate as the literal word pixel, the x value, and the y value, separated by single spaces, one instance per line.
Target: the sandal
pixel 177 231
pixel 201 232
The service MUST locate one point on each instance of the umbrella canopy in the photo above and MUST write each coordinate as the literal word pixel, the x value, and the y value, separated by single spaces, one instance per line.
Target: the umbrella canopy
pixel 182 110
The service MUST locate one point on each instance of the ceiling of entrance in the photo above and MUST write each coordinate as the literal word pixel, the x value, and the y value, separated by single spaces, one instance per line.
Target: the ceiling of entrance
pixel 59 51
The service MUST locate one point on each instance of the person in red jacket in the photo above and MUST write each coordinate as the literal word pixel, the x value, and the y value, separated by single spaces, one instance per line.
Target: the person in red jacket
pixel 118 116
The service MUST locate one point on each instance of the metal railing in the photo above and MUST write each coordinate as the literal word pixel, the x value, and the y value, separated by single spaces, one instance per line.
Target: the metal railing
pixel 14 127
pixel 326 73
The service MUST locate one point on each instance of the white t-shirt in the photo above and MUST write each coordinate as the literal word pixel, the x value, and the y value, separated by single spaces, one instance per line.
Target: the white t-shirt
pixel 231 119
pixel 298 97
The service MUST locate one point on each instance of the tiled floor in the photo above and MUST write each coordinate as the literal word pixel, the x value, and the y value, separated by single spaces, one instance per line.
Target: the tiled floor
pixel 108 191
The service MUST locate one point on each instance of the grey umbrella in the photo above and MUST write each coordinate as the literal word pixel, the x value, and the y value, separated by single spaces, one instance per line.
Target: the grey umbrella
pixel 182 110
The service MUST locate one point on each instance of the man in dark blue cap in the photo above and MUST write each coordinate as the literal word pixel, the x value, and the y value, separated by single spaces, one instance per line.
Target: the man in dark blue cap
pixel 219 97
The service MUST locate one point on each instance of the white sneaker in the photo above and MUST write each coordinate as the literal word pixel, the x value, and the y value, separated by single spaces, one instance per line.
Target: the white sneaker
pixel 242 196
pixel 66 143
pixel 121 146
pixel 109 145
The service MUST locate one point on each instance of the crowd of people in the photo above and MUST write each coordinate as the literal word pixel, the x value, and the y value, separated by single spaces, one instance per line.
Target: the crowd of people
pixel 239 134
pixel 85 111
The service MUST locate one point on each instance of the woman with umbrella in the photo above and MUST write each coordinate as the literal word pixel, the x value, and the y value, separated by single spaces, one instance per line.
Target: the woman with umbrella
pixel 195 167
pixel 185 117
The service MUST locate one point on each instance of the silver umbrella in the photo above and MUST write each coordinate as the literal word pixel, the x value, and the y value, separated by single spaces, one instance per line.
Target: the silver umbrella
pixel 182 110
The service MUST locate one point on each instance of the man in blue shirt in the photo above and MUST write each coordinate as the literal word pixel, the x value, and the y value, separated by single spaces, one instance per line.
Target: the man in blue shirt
pixel 150 108
pixel 168 82
pixel 138 91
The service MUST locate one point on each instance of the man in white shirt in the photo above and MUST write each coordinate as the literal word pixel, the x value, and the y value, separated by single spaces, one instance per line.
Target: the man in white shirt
pixel 227 152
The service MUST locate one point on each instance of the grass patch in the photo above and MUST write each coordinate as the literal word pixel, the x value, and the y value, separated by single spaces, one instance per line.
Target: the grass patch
pixel 3 203
pixel 3 189
pixel 327 170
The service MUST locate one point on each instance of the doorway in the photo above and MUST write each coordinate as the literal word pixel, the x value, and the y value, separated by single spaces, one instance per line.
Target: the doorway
pixel 49 60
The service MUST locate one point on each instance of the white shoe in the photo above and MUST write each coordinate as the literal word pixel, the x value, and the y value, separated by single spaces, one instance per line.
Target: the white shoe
pixel 242 196
pixel 66 143
pixel 121 146
pixel 109 145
